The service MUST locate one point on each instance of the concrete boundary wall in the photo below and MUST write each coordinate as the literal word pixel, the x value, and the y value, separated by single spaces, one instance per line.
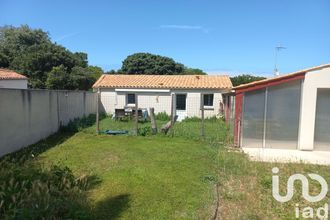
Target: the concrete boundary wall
pixel 27 116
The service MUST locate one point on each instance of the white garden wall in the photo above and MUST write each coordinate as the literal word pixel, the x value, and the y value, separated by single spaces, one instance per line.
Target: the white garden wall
pixel 27 116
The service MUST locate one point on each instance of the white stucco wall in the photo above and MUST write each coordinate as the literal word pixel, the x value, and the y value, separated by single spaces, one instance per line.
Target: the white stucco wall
pixel 14 84
pixel 108 100
pixel 161 101
pixel 313 80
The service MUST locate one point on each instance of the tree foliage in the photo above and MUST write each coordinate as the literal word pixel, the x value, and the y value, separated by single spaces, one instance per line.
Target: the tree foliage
pixel 58 78
pixel 151 64
pixel 245 78
pixel 194 71
pixel 83 78
pixel 31 52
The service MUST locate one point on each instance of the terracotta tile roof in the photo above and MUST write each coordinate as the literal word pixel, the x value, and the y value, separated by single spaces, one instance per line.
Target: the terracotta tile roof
pixel 9 74
pixel 289 75
pixel 164 81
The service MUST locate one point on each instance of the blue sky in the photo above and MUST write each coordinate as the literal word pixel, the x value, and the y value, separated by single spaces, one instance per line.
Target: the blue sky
pixel 217 36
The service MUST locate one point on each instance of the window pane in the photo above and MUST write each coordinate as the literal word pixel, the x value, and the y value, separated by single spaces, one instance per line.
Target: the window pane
pixel 181 102
pixel 322 120
pixel 208 100
pixel 130 98
pixel 253 118
pixel 283 109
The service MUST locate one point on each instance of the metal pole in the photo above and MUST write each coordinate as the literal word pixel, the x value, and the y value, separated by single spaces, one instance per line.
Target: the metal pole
pixel 275 67
pixel 277 49
pixel 202 116
pixel 97 112
pixel 173 113
pixel 265 119
pixel 136 115
pixel 173 109
pixel 241 121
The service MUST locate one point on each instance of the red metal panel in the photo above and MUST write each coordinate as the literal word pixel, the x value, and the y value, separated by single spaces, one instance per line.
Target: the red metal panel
pixel 273 82
pixel 239 100
pixel 238 116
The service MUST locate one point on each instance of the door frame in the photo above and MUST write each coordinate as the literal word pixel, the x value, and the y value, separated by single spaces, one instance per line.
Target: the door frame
pixel 181 112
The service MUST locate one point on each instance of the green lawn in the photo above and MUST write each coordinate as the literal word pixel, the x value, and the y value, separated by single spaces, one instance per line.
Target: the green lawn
pixel 178 176
pixel 134 177
pixel 148 177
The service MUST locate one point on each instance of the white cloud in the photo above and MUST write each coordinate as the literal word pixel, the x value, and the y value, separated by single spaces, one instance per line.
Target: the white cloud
pixel 184 27
pixel 65 36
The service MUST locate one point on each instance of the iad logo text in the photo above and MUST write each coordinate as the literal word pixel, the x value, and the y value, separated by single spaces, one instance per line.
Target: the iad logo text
pixel 307 212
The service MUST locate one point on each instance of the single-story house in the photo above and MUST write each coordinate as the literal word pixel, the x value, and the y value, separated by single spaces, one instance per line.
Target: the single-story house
pixel 286 112
pixel 160 91
pixel 12 80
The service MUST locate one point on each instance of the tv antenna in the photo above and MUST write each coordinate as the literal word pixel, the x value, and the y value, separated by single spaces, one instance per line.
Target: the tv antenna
pixel 277 49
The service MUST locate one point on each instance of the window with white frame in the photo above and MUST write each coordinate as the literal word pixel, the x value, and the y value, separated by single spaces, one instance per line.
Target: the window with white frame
pixel 208 100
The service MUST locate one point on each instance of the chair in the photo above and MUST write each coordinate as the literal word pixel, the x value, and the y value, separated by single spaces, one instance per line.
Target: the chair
pixel 119 114
pixel 140 114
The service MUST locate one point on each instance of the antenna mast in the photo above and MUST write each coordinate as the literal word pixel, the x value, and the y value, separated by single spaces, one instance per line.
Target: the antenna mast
pixel 277 49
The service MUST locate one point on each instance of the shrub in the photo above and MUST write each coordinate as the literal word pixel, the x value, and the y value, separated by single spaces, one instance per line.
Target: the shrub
pixel 29 192
pixel 144 131
pixel 163 116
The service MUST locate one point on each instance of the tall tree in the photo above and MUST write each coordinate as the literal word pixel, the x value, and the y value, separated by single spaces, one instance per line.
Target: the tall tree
pixel 146 63
pixel 194 71
pixel 31 52
pixel 245 78
pixel 151 64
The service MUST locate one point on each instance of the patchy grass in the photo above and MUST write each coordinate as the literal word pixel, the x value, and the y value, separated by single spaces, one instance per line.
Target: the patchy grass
pixel 216 131
pixel 246 188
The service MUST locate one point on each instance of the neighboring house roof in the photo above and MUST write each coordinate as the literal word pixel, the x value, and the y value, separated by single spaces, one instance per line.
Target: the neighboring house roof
pixel 279 79
pixel 164 81
pixel 9 74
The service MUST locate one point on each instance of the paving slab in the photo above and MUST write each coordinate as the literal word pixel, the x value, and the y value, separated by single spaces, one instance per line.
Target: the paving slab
pixel 288 156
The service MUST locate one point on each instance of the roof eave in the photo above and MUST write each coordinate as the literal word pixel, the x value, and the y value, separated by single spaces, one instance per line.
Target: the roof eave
pixel 138 87
pixel 280 78
pixel 14 78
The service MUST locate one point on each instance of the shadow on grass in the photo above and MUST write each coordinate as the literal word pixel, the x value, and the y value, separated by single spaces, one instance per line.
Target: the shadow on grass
pixel 111 208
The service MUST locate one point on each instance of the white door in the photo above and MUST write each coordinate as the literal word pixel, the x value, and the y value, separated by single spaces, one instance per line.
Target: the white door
pixel 181 107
